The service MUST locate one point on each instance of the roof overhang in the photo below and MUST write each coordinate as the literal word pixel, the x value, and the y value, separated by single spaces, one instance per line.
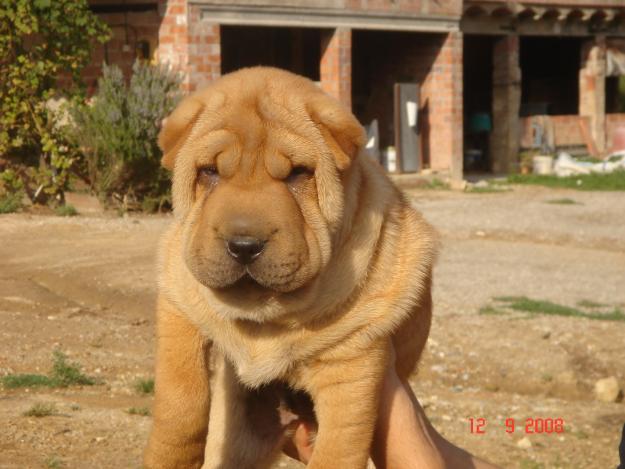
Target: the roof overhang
pixel 537 18
pixel 261 15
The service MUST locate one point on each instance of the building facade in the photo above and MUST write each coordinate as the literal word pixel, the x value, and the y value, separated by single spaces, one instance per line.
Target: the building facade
pixel 494 77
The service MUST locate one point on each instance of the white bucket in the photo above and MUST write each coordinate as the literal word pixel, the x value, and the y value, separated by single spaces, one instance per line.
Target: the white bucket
pixel 542 164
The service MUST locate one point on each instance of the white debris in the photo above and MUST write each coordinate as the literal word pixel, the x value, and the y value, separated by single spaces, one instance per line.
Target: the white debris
pixel 566 165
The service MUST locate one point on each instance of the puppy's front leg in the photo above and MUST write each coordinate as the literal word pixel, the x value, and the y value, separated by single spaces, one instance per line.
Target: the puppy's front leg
pixel 346 394
pixel 244 430
pixel 182 393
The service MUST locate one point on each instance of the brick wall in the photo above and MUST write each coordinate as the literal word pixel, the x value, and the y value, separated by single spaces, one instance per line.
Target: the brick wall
pixel 128 31
pixel 434 61
pixel 442 93
pixel 612 122
pixel 419 7
pixel 188 43
pixel 566 130
pixel 335 69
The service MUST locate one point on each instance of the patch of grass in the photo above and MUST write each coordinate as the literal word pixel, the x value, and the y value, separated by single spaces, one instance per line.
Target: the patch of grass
pixel 66 211
pixel 54 463
pixel 614 181
pixel 489 310
pixel 144 411
pixel 528 305
pixel 563 201
pixel 581 435
pixel 40 410
pixel 530 464
pixel 436 184
pixel 590 304
pixel 145 386
pixel 10 203
pixel 62 375
pixel 25 381
pixel 486 189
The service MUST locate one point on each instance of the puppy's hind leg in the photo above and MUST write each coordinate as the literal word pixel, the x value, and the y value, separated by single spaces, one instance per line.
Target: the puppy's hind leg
pixel 244 430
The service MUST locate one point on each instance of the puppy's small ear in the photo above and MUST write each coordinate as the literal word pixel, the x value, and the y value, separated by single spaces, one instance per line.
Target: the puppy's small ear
pixel 341 130
pixel 176 129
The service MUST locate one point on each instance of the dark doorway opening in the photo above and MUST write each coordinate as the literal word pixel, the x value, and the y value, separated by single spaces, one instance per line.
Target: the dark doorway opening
pixel 295 49
pixel 380 59
pixel 615 94
pixel 550 75
pixel 477 101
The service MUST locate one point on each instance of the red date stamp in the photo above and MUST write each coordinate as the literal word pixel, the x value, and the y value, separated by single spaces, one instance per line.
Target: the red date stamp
pixel 527 426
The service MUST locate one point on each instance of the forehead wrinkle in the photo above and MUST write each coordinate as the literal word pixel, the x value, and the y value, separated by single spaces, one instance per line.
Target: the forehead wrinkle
pixel 205 147
pixel 298 149
pixel 292 116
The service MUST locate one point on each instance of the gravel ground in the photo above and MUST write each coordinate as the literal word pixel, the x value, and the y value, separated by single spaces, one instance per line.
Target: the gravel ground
pixel 86 285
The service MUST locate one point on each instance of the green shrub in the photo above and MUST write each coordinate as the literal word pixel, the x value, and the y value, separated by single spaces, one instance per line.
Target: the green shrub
pixel 117 133
pixel 145 386
pixel 143 411
pixel 41 42
pixel 66 210
pixel 41 410
pixel 11 191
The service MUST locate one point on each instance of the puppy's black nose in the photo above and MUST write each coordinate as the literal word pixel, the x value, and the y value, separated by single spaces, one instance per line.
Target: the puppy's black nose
pixel 245 249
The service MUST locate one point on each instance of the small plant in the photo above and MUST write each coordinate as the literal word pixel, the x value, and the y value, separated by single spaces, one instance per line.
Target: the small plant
pixel 143 411
pixel 66 210
pixel 62 375
pixel 54 463
pixel 145 386
pixel 66 374
pixel 41 410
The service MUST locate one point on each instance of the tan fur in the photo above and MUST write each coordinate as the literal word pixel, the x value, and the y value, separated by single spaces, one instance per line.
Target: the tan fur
pixel 346 269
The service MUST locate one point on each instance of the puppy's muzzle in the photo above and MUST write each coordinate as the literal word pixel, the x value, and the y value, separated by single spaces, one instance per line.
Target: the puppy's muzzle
pixel 245 249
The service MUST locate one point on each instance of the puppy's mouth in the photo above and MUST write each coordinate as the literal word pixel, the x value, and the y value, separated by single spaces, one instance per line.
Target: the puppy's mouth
pixel 247 281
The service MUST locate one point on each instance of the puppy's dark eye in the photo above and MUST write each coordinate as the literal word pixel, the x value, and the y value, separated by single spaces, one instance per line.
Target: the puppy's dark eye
pixel 298 173
pixel 208 174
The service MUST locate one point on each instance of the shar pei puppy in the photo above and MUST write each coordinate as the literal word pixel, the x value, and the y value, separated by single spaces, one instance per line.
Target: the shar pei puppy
pixel 291 268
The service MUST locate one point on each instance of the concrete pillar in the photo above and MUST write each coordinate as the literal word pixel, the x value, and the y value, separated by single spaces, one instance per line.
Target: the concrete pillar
pixel 592 88
pixel 335 69
pixel 504 141
pixel 189 44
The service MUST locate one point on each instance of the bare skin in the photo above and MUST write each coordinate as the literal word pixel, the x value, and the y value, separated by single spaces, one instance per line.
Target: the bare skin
pixel 404 437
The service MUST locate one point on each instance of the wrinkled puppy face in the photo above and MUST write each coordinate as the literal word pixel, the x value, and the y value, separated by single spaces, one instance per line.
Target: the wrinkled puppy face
pixel 257 158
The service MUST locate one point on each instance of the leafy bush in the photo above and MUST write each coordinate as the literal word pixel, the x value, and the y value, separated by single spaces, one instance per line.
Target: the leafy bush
pixel 41 42
pixel 117 133
pixel 11 191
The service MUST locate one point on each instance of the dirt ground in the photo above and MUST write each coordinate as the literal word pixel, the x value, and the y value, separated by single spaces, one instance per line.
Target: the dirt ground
pixel 86 285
